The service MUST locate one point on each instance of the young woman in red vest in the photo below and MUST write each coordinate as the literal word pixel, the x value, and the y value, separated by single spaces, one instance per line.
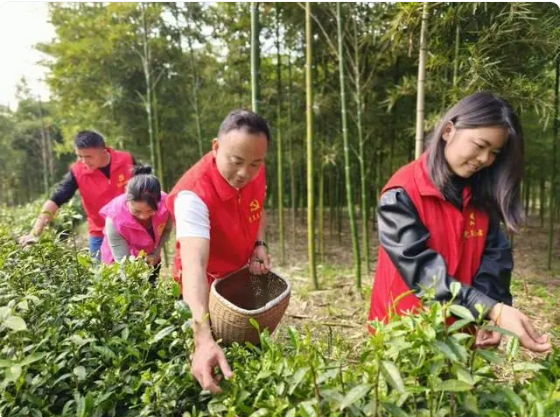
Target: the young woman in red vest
pixel 439 220
pixel 100 174
pixel 218 208
pixel 137 221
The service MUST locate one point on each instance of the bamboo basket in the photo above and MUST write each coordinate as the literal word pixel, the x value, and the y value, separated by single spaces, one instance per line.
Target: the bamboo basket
pixel 241 296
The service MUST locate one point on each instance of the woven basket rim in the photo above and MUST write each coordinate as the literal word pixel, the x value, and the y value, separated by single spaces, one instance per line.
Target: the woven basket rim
pixel 261 310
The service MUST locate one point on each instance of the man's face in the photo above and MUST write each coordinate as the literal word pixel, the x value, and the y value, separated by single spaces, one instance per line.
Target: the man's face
pixel 239 156
pixel 93 158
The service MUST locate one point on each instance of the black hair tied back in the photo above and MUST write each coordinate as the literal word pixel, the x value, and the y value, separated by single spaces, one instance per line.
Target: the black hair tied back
pixel 141 170
pixel 144 187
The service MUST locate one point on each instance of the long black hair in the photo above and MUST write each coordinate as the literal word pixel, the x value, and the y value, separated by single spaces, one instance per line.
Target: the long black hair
pixel 144 187
pixel 497 188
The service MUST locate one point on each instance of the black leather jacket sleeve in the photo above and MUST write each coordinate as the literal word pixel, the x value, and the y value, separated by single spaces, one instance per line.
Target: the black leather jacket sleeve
pixel 493 277
pixel 404 237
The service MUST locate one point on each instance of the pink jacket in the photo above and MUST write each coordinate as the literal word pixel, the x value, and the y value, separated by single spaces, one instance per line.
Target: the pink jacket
pixel 127 226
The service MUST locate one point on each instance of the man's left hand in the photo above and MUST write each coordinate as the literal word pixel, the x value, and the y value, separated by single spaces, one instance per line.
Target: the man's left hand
pixel 260 262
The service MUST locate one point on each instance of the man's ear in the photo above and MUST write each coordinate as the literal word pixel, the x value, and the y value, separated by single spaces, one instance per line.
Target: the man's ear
pixel 215 146
pixel 448 131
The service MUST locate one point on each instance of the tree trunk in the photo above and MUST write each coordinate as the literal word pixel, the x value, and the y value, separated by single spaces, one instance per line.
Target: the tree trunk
pixel 339 205
pixel 527 190
pixel 302 200
pixel 542 197
pixel 279 153
pixel 348 177
pixel 159 151
pixel 44 151
pixel 361 152
pixel 332 202
pixel 255 57
pixel 310 158
pixel 293 190
pixel 419 148
pixel 195 99
pixel 552 201
pixel 457 45
pixel 322 208
pixel 147 76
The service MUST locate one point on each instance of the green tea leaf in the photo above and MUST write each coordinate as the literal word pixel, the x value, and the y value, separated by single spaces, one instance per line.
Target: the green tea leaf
pixel 527 367
pixel 162 333
pixel 334 396
pixel 355 395
pixel 13 373
pixel 34 357
pixel 261 412
pixel 216 407
pixel 393 409
pixel 80 405
pixel 498 329
pixel 297 378
pixel 104 351
pixel 490 356
pixel 446 350
pixel 254 323
pixel 512 348
pixel 455 287
pixel 465 376
pixel 308 407
pixel 6 363
pixel 471 404
pixel 462 312
pixel 459 324
pixel 453 385
pixel 80 372
pixel 280 388
pixel 514 400
pixel 15 323
pixel 392 375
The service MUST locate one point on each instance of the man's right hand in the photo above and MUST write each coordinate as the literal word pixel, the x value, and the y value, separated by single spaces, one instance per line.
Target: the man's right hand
pixel 28 239
pixel 207 355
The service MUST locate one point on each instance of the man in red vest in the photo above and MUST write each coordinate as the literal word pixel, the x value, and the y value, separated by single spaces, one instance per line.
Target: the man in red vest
pixel 100 174
pixel 218 209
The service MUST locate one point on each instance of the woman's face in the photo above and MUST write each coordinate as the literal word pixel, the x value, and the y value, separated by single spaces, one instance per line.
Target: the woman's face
pixel 141 210
pixel 468 151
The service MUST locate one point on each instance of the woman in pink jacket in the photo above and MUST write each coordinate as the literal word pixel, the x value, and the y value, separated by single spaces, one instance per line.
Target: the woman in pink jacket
pixel 137 221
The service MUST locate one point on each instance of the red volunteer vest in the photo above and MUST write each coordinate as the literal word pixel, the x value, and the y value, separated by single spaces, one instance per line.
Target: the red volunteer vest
pixel 458 236
pixel 97 190
pixel 234 216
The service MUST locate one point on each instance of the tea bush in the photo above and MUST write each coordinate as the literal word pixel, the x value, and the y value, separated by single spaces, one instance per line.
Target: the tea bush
pixel 81 339
pixel 21 219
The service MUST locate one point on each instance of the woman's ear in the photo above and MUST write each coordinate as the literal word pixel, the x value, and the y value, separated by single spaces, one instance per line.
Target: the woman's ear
pixel 448 131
